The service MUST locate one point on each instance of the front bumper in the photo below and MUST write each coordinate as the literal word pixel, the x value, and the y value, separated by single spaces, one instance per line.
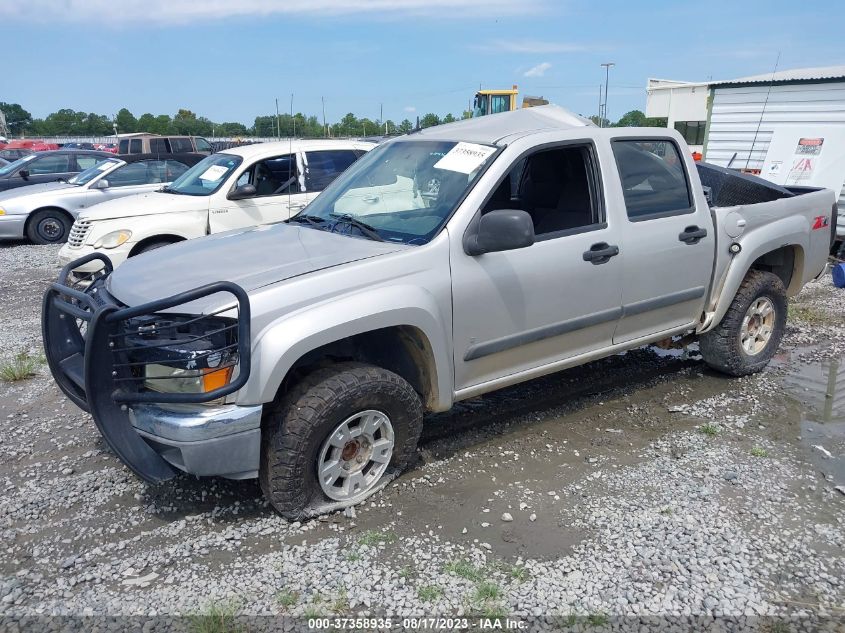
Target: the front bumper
pixel 97 352
pixel 12 226
pixel 202 440
pixel 116 256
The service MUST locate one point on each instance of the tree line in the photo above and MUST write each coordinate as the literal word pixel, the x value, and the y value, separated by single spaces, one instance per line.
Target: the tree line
pixel 69 122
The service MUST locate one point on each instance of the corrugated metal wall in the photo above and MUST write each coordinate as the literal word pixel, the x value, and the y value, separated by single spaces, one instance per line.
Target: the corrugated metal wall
pixel 736 113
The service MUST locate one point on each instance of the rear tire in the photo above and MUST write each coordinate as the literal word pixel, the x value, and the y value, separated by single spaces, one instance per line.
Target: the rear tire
pixel 315 425
pixel 49 226
pixel 751 331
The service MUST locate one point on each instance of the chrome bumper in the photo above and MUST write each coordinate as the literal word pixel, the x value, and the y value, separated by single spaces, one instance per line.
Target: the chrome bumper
pixel 203 440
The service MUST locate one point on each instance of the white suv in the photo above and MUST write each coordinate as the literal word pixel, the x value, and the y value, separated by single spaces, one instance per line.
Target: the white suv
pixel 244 186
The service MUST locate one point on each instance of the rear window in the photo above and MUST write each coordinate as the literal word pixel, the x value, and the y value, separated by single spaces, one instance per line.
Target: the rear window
pixel 158 146
pixel 135 146
pixel 654 181
pixel 123 147
pixel 181 145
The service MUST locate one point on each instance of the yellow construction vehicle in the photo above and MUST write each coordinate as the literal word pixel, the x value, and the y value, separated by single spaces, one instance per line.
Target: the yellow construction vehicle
pixel 493 101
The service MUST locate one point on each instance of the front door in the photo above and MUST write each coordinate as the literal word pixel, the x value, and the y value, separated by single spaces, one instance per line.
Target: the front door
pixel 561 297
pixel 278 195
pixel 668 242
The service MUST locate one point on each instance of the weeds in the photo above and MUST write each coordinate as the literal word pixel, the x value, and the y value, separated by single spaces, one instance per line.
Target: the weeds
pixel 759 452
pixel 429 593
pixel 22 366
pixel 808 314
pixel 464 569
pixel 219 618
pixel 287 599
pixel 597 619
pixel 710 430
pixel 487 591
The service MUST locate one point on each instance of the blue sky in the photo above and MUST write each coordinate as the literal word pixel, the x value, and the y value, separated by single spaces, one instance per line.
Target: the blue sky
pixel 229 59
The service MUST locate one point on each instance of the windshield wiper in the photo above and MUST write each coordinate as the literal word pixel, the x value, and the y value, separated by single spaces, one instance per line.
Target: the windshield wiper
pixel 365 228
pixel 308 219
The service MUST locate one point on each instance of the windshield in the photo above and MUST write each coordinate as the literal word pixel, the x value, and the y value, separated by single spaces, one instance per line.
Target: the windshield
pixel 84 177
pixel 8 169
pixel 206 176
pixel 404 191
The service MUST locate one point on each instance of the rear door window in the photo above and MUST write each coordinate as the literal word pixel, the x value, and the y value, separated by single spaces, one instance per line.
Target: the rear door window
pixel 324 166
pixel 158 146
pixel 181 145
pixel 86 162
pixel 130 174
pixel 135 146
pixel 654 180
pixel 123 146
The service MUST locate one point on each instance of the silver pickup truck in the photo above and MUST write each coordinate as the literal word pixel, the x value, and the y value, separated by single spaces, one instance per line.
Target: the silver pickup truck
pixel 443 265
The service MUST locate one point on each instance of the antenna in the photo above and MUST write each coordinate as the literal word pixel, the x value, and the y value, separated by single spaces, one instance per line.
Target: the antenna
pixel 295 159
pixel 278 126
pixel 325 127
pixel 763 111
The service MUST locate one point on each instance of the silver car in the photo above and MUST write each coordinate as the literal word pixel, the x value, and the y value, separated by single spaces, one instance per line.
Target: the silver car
pixel 44 213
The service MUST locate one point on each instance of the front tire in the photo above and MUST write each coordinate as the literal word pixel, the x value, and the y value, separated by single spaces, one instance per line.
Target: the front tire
pixel 751 331
pixel 334 436
pixel 49 226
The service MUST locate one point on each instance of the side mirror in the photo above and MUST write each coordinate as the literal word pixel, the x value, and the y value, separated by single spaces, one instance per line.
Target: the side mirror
pixel 24 173
pixel 102 183
pixel 242 192
pixel 501 230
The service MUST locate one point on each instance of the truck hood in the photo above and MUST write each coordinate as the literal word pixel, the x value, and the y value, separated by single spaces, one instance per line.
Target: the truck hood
pixel 252 258
pixel 11 196
pixel 150 203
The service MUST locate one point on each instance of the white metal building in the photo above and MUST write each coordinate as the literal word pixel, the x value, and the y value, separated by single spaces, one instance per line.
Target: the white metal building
pixel 743 116
pixel 683 103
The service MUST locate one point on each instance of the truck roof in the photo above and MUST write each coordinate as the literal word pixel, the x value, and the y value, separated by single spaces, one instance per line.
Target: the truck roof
pixel 498 128
pixel 301 145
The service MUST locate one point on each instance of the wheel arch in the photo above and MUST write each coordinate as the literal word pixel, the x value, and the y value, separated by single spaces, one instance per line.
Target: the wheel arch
pixel 408 339
pixel 171 238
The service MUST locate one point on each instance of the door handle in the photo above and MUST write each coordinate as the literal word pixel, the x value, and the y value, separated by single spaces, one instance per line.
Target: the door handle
pixel 370 198
pixel 600 253
pixel 692 235
pixel 298 206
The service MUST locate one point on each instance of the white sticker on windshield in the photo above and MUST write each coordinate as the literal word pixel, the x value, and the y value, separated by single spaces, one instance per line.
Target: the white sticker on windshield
pixel 215 172
pixel 464 157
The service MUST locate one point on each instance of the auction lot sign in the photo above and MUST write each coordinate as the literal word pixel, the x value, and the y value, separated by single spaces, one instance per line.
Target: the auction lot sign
pixel 806 156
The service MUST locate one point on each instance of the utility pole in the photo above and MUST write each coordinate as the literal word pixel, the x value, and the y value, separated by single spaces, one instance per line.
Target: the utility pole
pixel 607 67
pixel 325 127
pixel 278 127
pixel 600 106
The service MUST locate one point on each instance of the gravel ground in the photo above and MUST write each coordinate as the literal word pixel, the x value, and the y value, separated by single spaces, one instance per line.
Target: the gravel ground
pixel 640 485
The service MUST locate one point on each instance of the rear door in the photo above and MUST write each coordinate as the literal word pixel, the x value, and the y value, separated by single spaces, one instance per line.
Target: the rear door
pixel 668 241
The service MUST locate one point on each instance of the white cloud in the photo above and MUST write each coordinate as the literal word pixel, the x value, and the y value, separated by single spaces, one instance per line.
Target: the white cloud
pixel 536 47
pixel 190 11
pixel 410 109
pixel 537 71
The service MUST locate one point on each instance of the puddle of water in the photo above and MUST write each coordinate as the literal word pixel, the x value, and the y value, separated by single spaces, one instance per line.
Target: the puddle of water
pixel 820 388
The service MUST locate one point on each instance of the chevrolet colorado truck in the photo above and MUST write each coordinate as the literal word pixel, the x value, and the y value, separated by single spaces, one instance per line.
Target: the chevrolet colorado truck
pixel 443 264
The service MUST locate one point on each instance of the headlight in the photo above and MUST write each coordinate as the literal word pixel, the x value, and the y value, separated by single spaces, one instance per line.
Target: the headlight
pixel 113 239
pixel 165 379
pixel 2 211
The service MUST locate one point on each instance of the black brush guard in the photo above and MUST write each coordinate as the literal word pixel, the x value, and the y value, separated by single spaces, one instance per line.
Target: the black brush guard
pixel 89 348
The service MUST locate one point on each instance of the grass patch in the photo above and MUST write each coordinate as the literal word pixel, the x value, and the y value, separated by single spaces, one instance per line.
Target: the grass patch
pixel 597 619
pixel 218 618
pixel 464 569
pixel 341 603
pixel 20 367
pixel 759 452
pixel 710 430
pixel 287 599
pixel 429 593
pixel 353 557
pixel 808 314
pixel 487 591
pixel 407 572
pixel 375 537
